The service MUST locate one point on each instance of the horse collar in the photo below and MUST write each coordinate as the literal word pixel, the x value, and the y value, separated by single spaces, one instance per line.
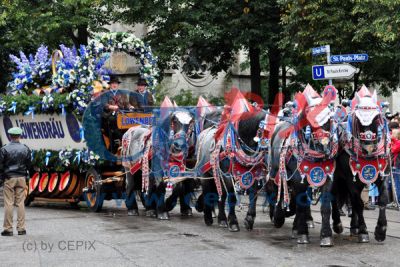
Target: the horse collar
pixel 368 170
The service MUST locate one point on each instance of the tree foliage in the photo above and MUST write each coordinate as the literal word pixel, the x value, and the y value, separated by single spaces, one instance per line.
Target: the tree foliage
pixel 207 34
pixel 26 24
pixel 349 27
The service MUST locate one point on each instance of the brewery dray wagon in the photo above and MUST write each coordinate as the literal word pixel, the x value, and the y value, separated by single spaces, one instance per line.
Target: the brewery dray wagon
pixel 69 171
pixel 47 99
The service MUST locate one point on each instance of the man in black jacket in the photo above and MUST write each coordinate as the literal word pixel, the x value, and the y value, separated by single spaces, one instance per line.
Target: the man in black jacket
pixel 113 100
pixel 15 161
pixel 142 99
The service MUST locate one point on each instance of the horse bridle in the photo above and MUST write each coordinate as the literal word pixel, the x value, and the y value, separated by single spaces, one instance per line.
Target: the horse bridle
pixel 354 142
pixel 175 136
pixel 316 137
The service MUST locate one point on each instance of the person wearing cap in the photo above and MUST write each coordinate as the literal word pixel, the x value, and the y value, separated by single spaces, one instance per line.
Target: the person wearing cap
pixel 15 161
pixel 142 98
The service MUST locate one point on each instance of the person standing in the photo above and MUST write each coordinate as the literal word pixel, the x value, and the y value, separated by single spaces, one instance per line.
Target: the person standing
pixel 15 161
pixel 395 149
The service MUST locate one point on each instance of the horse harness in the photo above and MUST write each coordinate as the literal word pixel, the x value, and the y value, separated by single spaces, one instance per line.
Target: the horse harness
pixel 175 166
pixel 243 168
pixel 367 166
pixel 314 165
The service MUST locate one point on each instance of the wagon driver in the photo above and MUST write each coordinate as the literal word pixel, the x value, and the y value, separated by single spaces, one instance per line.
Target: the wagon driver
pixel 142 98
pixel 114 100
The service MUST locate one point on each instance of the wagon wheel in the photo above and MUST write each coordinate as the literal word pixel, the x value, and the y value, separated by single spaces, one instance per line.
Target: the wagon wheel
pixel 93 196
pixel 28 198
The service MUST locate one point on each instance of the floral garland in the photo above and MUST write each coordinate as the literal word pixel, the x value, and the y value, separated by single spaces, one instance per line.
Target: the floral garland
pixel 75 73
pixel 130 44
pixel 32 70
pixel 66 159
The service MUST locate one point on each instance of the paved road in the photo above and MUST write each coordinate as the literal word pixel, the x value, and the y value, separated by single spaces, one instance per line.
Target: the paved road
pixel 76 237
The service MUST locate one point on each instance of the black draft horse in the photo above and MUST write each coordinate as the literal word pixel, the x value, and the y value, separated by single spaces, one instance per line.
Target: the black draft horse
pixel 207 116
pixel 222 189
pixel 302 155
pixel 363 159
pixel 170 140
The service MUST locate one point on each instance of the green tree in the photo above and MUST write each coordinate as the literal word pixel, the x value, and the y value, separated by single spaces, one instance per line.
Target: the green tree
pixel 25 24
pixel 349 28
pixel 208 34
pixel 379 21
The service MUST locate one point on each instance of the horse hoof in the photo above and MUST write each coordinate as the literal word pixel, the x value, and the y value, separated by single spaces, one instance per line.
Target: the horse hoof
pixel 380 238
pixel 199 206
pixel 133 213
pixel 363 238
pixel 209 221
pixel 187 213
pixel 294 234
pixel 234 228
pixel 163 216
pixel 310 224
pixel 380 233
pixel 303 239
pixel 223 224
pixel 353 231
pixel 278 222
pixel 338 228
pixel 326 242
pixel 248 223
pixel 151 213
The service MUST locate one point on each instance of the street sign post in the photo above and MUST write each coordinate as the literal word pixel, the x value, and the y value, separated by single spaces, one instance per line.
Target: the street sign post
pixel 326 49
pixel 337 71
pixel 349 58
pixel 320 50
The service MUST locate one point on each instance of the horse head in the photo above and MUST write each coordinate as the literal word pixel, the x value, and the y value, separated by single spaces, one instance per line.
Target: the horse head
pixel 248 121
pixel 171 137
pixel 181 130
pixel 317 126
pixel 366 126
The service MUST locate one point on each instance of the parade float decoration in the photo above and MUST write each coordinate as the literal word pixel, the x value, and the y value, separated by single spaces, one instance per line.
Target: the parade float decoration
pixel 47 96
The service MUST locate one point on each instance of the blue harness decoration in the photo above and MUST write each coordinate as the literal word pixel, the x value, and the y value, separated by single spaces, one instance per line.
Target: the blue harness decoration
pixel 349 125
pixel 264 142
pixel 174 171
pixel 368 173
pixel 230 138
pixel 246 180
pixel 317 175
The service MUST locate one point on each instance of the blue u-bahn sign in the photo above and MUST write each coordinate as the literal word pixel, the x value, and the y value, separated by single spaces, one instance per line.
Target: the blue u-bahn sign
pixel 349 58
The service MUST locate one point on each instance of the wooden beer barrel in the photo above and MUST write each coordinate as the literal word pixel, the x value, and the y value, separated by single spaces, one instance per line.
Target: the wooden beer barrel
pixel 43 182
pixel 54 181
pixel 69 185
pixel 34 184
